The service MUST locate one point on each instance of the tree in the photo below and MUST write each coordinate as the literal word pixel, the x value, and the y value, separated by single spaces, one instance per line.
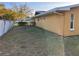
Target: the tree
pixel 8 14
pixel 23 9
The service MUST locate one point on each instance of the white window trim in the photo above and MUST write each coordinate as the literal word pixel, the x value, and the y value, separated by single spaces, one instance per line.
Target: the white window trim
pixel 72 29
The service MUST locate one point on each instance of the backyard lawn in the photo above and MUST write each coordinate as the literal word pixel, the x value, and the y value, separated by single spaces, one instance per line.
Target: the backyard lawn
pixel 31 42
pixel 71 45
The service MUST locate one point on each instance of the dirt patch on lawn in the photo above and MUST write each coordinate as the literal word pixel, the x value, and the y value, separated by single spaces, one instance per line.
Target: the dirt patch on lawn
pixel 31 41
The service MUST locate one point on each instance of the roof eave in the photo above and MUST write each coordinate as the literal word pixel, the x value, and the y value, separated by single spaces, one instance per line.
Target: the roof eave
pixel 55 10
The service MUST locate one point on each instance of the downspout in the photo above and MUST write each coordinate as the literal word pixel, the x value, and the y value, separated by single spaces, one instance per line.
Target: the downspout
pixel 34 22
pixel 63 34
pixel 63 24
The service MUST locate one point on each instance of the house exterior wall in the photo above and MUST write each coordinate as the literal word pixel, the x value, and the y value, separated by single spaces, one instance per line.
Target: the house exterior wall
pixel 60 24
pixel 52 23
pixel 67 31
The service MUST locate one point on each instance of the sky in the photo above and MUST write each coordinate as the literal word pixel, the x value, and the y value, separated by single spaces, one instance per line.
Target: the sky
pixel 40 6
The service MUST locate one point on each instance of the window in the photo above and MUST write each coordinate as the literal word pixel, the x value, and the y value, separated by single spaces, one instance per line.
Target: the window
pixel 72 22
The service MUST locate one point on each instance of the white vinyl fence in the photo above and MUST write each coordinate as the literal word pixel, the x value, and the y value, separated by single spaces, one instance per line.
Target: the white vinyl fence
pixel 5 26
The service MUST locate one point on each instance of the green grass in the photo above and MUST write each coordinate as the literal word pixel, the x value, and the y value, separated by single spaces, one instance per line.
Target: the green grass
pixel 38 42
pixel 31 41
pixel 54 43
pixel 71 45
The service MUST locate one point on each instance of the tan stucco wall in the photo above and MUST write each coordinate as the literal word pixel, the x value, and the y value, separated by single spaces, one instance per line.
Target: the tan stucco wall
pixel 67 31
pixel 60 24
pixel 52 22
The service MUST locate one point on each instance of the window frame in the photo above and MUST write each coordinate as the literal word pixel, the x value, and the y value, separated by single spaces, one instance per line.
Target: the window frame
pixel 72 19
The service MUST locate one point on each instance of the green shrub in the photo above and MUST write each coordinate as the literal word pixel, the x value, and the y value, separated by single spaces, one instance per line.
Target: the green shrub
pixel 22 23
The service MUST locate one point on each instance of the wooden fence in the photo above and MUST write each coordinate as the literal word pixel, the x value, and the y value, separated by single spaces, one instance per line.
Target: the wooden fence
pixel 5 26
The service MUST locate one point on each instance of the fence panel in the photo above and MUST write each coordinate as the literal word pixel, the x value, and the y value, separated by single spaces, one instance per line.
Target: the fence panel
pixel 5 26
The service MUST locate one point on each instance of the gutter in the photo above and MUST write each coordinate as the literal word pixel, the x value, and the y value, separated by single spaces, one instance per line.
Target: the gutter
pixel 51 12
pixel 55 10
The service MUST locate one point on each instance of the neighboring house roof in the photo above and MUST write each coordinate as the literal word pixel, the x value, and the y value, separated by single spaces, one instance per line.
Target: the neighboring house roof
pixel 39 12
pixel 65 8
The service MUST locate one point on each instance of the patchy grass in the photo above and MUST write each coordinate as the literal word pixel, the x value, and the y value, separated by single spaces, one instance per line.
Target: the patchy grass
pixel 37 42
pixel 54 43
pixel 31 41
pixel 72 45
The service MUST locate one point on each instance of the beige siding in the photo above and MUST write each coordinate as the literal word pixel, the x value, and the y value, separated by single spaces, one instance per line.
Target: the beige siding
pixel 53 23
pixel 60 24
pixel 67 31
